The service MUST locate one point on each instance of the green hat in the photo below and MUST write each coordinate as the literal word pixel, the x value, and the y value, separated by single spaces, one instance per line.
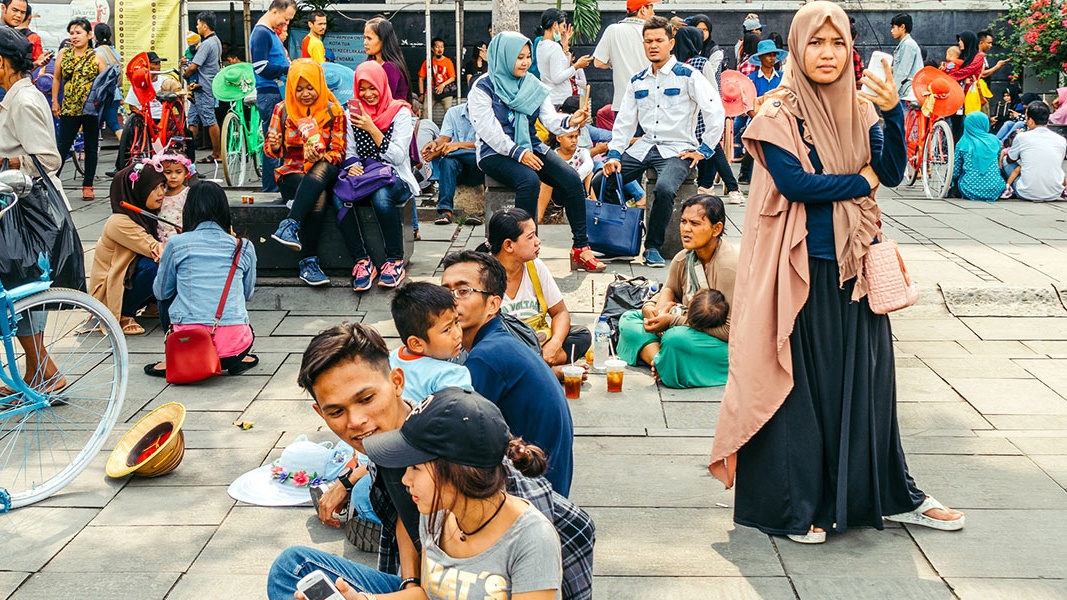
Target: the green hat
pixel 234 82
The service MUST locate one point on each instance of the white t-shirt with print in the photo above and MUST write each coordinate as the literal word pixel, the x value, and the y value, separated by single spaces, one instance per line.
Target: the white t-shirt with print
pixel 581 162
pixel 156 107
pixel 524 304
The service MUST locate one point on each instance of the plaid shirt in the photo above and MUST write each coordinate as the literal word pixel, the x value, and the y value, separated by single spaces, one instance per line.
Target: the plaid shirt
pixel 292 152
pixel 577 534
pixel 857 66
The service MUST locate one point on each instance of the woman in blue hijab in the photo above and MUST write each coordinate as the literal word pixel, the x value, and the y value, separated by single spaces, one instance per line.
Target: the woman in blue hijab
pixel 976 173
pixel 503 105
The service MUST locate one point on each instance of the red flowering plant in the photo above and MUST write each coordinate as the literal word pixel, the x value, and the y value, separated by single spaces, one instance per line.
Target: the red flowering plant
pixel 1036 31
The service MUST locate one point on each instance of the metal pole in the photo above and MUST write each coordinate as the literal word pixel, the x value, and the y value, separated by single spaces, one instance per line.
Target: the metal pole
pixel 183 11
pixel 427 109
pixel 459 48
pixel 248 28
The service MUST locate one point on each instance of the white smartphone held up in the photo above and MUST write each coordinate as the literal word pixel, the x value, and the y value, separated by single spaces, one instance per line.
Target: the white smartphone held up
pixel 875 67
pixel 317 586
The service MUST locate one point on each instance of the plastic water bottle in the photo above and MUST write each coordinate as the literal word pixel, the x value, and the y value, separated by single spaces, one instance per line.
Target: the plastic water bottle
pixel 601 339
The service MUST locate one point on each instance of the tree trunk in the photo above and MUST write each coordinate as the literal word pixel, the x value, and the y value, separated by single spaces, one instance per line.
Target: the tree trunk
pixel 505 16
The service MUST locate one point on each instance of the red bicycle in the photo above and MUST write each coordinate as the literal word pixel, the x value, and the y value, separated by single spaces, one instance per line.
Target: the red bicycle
pixel 931 148
pixel 148 137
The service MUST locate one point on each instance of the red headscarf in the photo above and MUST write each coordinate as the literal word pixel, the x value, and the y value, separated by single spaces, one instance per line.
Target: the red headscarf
pixel 382 114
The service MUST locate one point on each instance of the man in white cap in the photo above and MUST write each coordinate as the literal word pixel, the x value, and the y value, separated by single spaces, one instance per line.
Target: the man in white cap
pixel 620 49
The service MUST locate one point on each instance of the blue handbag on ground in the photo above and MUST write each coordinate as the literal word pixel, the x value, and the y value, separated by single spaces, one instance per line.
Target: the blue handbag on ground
pixel 614 229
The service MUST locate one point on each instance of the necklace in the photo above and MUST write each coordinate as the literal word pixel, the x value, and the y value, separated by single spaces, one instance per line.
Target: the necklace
pixel 463 534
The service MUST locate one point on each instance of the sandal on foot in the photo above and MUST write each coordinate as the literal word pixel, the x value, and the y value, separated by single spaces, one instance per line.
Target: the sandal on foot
pixel 918 517
pixel 207 160
pixel 88 193
pixel 444 218
pixel 811 537
pixel 130 326
pixel 245 365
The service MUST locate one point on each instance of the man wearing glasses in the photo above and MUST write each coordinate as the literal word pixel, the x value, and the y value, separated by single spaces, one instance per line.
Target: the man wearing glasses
pixel 506 371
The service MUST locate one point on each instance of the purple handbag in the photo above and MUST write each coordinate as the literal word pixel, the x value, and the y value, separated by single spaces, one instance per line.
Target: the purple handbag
pixel 376 175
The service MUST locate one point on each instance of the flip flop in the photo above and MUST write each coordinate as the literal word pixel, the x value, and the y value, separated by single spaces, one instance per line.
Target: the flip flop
pixel 444 219
pixel 207 160
pixel 917 517
pixel 131 327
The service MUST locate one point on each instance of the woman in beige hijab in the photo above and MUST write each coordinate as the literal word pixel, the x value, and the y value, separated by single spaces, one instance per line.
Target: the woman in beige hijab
pixel 808 422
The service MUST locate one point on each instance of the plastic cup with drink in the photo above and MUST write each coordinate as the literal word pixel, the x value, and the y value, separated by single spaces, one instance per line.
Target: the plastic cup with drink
pixel 572 381
pixel 615 369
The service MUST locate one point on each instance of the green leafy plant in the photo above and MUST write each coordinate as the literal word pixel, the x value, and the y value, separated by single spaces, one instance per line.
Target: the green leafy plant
pixel 586 18
pixel 1037 31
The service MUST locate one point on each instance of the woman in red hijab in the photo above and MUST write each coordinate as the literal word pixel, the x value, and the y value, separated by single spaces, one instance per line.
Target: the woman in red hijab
pixel 307 132
pixel 379 131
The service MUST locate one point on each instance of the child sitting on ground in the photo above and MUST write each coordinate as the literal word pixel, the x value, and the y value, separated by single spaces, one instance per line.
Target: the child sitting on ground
pixel 426 318
pixel 708 310
pixel 176 170
pixel 952 59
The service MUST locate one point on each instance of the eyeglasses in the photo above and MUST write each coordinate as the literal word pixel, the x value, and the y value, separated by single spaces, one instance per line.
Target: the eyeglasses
pixel 465 292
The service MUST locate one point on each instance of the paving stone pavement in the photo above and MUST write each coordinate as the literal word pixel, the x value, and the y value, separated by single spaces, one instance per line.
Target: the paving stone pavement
pixel 982 383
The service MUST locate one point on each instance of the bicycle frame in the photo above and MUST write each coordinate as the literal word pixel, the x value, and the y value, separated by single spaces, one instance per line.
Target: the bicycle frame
pixel 8 320
pixel 252 128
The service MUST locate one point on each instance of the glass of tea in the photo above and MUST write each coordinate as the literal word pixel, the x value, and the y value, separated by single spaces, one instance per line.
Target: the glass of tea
pixel 572 381
pixel 615 368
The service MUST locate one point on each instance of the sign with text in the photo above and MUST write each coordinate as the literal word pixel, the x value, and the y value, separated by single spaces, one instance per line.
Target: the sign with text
pixel 347 48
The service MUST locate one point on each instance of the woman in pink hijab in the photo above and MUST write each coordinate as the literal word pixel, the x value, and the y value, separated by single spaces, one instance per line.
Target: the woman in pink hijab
pixel 1060 116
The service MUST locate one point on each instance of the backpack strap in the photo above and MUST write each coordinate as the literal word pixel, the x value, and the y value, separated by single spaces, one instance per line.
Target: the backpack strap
pixel 531 268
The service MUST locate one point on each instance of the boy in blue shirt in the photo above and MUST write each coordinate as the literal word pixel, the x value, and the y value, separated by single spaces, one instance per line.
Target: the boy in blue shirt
pixel 766 78
pixel 426 319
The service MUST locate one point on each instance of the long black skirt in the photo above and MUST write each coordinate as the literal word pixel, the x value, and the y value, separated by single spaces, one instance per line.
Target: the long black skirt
pixel 831 455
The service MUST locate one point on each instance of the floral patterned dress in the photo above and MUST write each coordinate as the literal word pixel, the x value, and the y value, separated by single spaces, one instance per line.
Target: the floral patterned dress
pixel 78 73
pixel 171 210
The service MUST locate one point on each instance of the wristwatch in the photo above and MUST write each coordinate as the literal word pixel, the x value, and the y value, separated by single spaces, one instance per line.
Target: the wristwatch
pixel 345 481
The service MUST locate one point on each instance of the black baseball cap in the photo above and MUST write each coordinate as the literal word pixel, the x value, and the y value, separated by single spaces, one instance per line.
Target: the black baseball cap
pixel 457 425
pixel 154 58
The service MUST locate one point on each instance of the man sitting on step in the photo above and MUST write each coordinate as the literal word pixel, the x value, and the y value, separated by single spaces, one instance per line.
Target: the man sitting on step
pixel 453 160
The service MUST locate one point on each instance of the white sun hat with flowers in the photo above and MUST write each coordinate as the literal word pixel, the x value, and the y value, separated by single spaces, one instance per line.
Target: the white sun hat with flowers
pixel 287 481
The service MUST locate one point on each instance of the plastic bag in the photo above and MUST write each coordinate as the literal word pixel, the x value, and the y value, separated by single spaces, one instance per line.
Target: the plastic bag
pixel 623 295
pixel 41 224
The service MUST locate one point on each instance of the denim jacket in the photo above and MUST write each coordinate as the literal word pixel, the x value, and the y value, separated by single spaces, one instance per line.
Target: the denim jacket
pixel 193 271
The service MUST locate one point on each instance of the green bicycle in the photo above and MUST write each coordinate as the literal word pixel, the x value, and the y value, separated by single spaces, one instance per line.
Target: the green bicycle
pixel 241 135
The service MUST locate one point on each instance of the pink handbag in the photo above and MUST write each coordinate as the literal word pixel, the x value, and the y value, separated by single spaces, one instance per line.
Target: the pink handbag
pixel 889 287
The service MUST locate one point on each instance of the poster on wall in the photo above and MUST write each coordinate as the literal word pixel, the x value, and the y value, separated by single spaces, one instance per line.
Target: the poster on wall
pixel 50 20
pixel 148 26
pixel 347 47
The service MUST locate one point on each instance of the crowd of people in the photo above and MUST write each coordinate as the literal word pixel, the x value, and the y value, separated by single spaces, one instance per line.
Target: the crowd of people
pixel 469 433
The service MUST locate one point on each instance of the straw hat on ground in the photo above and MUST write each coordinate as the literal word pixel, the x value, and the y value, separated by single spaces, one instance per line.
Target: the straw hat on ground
pixel 153 447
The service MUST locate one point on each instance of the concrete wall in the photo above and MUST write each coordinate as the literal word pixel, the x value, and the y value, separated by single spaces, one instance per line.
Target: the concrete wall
pixel 934 30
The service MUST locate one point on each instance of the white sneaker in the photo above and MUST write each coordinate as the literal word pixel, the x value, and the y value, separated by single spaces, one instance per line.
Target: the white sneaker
pixel 1008 192
pixel 736 197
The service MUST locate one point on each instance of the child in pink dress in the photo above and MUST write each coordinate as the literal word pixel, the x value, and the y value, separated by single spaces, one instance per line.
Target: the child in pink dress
pixel 177 169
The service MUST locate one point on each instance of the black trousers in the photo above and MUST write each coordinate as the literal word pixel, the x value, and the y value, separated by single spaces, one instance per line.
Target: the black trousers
pixel 831 456
pixel 706 170
pixel 308 191
pixel 68 131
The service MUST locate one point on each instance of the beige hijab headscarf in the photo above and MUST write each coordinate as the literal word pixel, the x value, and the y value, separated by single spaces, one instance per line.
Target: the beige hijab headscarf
pixel 772 274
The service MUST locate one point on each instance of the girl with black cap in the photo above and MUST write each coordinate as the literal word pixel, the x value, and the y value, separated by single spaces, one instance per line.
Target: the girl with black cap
pixel 127 255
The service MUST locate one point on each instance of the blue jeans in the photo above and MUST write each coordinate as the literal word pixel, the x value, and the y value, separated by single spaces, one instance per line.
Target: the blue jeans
pixel 449 169
pixel 144 275
pixel 631 191
pixel 110 116
pixel 266 99
pixel 1007 128
pixel 740 122
pixel 598 134
pixel 386 203
pixel 296 562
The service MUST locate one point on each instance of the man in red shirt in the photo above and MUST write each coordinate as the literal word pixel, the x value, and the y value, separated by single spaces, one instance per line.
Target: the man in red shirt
pixel 312 46
pixel 444 76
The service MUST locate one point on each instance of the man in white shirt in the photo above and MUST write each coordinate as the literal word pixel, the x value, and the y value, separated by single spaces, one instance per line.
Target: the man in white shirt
pixel 664 99
pixel 1039 153
pixel 619 48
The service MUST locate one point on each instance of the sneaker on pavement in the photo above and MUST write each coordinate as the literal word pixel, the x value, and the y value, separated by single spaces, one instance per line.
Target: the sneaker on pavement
pixel 736 197
pixel 1007 193
pixel 363 275
pixel 392 274
pixel 653 259
pixel 286 234
pixel 310 273
pixel 706 190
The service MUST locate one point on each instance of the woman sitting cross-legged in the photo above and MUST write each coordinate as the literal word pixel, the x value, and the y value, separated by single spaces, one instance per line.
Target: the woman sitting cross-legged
pixel 380 129
pixel 532 294
pixel 309 168
pixel 504 105
pixel 128 251
pixel 683 354
pixel 976 173
pixel 192 276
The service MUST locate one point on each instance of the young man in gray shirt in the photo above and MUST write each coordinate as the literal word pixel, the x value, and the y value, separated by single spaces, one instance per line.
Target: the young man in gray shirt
pixel 205 65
